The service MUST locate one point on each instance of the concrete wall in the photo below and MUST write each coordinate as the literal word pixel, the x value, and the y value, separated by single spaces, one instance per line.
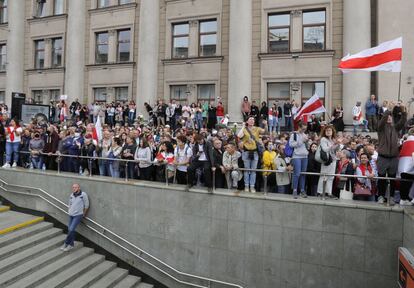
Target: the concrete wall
pixel 257 242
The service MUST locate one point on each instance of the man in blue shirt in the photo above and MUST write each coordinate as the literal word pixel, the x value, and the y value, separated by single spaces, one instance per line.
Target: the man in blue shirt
pixel 78 208
pixel 371 110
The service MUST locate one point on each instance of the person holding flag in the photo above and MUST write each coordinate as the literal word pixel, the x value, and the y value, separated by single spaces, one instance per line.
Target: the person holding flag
pixel 358 120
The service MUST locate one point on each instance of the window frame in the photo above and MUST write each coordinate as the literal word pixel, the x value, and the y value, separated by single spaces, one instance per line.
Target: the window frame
pixel 94 89
pixel 36 51
pixel 117 89
pixel 279 27
pixel 4 11
pixel 53 65
pixel 201 34
pixel 118 32
pixel 205 99
pixel 55 6
pixel 179 100
pixel 303 99
pixel 173 37
pixel 269 100
pixel 2 96
pixel 304 26
pixel 130 1
pixel 40 7
pixel 97 45
pixel 99 6
pixel 3 45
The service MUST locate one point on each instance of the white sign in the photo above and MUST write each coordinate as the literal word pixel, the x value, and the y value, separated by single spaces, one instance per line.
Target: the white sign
pixel 63 97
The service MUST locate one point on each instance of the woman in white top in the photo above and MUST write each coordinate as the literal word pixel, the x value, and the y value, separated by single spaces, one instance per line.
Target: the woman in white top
pixel 13 132
pixel 143 155
pixel 330 145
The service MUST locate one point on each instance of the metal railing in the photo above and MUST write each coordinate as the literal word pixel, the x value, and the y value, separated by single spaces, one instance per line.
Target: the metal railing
pixel 139 252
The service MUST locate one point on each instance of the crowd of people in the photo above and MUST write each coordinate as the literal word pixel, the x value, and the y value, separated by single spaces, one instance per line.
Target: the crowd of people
pixel 195 145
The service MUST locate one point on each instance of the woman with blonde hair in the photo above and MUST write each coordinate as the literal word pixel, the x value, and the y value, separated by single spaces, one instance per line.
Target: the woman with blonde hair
pixel 330 145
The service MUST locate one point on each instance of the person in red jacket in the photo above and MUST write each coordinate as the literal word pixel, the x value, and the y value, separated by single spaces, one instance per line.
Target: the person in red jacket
pixel 220 112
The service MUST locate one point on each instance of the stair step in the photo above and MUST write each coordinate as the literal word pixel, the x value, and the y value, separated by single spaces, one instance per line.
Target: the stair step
pixel 128 282
pixel 4 208
pixel 23 233
pixel 15 220
pixel 93 275
pixel 67 260
pixel 28 242
pixel 145 285
pixel 111 279
pixel 75 271
pixel 33 265
pixel 29 254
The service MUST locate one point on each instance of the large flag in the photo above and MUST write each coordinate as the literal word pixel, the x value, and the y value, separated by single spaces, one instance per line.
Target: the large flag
pixel 313 106
pixel 97 130
pixel 385 57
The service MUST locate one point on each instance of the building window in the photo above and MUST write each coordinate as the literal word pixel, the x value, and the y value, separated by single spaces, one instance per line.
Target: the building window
pixel 180 40
pixel 58 7
pixel 54 95
pixel 37 96
pixel 208 38
pixel 124 45
pixel 39 54
pixel 279 33
pixel 57 48
pixel 122 2
pixel 3 11
pixel 3 57
pixel 311 88
pixel 206 92
pixel 103 3
pixel 278 92
pixel 101 48
pixel 40 8
pixel 2 97
pixel 100 94
pixel 121 94
pixel 314 30
pixel 179 93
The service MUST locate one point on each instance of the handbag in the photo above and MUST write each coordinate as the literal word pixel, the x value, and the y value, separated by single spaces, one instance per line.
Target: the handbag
pixel 260 147
pixel 362 190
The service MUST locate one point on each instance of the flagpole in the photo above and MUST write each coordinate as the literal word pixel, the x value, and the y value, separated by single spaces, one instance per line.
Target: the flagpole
pixel 399 88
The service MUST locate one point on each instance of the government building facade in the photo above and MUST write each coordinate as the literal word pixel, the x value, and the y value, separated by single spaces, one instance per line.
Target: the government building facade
pixel 195 50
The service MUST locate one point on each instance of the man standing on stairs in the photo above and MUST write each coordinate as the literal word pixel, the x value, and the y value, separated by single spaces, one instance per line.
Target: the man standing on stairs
pixel 78 208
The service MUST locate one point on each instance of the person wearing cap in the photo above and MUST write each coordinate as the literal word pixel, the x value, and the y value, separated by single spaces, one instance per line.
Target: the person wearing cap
pixel 358 120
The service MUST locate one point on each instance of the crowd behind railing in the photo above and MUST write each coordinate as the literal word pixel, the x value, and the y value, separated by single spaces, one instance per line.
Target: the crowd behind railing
pixel 194 145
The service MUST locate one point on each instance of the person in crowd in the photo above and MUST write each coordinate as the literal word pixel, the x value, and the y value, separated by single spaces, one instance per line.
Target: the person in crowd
pixel 263 114
pixel 298 141
pixel 182 157
pixel 330 145
pixel 358 119
pixel 103 152
pixel 127 153
pixel 2 140
pixel 363 170
pixel 251 143
pixel 13 132
pixel 219 112
pixel 313 167
pixel 201 159
pixel 268 163
pixel 283 168
pixel 287 112
pixel 338 119
pixel 344 166
pixel 254 111
pixel 371 110
pixel 273 119
pixel 314 125
pixel 78 209
pixel 143 155
pixel 115 154
pixel 382 109
pixel 212 116
pixel 231 165
pixel 87 165
pixel 217 163
pixel 36 146
pixel 388 150
pixel 245 108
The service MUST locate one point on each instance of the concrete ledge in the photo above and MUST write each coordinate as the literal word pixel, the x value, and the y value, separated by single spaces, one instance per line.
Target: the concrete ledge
pixel 21 225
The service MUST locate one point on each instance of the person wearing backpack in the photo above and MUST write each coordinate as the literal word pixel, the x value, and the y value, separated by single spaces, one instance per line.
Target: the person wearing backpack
pixel 329 145
pixel 298 141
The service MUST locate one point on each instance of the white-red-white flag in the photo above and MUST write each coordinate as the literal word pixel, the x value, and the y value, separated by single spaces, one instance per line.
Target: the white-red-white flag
pixel 385 57
pixel 97 130
pixel 313 106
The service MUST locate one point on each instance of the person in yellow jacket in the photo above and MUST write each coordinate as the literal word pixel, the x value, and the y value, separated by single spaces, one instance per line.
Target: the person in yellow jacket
pixel 268 161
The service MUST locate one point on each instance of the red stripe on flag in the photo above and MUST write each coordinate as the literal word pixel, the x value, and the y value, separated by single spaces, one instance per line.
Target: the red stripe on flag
pixel 312 107
pixel 407 149
pixel 372 61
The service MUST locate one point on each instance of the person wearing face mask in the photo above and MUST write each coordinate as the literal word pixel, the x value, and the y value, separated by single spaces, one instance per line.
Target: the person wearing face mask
pixel 298 142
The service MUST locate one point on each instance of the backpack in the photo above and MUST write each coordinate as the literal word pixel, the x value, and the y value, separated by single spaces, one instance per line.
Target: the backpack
pixel 289 149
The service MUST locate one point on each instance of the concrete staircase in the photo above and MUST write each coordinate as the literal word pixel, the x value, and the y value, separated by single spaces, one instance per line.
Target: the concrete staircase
pixel 30 257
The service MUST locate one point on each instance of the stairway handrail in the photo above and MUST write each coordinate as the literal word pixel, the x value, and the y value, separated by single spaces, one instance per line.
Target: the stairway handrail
pixel 141 251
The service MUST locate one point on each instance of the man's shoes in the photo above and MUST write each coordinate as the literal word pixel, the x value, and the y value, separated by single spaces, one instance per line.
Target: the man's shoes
pixel 63 247
pixel 188 187
pixel 252 190
pixel 381 200
pixel 14 165
pixel 405 203
pixel 68 248
pixel 7 165
pixel 246 189
pixel 303 195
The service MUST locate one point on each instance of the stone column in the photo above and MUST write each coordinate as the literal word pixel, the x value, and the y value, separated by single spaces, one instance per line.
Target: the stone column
pixel 15 49
pixel 75 51
pixel 357 37
pixel 240 56
pixel 112 43
pixel 148 54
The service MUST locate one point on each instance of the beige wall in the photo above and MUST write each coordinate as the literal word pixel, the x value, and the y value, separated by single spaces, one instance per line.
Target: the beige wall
pixel 395 19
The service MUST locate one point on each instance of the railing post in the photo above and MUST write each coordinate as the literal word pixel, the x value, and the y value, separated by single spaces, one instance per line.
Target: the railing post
pixel 324 186
pixel 166 175
pixel 126 170
pixel 90 167
pixel 214 179
pixel 388 193
pixel 265 184
pixel 58 163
